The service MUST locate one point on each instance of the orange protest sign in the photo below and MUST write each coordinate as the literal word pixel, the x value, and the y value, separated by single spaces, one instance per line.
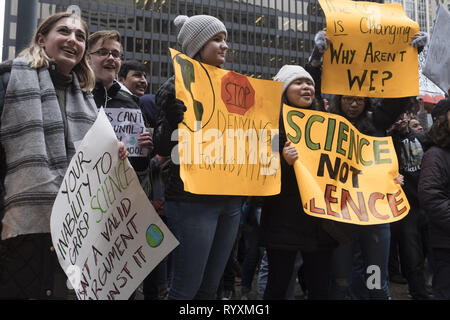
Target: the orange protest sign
pixel 228 140
pixel 342 174
pixel 370 53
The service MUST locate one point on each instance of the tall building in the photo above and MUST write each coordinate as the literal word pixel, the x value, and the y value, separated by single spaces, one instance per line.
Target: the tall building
pixel 263 35
pixel 422 11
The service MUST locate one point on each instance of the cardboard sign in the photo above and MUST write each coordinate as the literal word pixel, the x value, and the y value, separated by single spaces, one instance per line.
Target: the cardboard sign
pixel 370 53
pixel 228 140
pixel 437 65
pixel 128 125
pixel 104 229
pixel 342 174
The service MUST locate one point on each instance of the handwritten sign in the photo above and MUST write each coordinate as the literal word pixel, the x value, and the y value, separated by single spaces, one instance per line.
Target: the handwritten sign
pixel 128 125
pixel 370 53
pixel 437 65
pixel 106 233
pixel 228 140
pixel 342 174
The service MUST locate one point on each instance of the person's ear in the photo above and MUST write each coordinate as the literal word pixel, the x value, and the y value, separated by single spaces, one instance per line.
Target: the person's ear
pixel 40 40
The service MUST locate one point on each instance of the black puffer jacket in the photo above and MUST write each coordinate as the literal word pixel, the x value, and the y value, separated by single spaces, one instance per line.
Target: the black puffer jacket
pixel 434 194
pixel 284 223
pixel 163 146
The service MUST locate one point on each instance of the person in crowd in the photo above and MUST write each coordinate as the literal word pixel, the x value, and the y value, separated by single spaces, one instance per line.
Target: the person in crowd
pixel 46 106
pixel 415 125
pixel 286 228
pixel 434 196
pixel 205 225
pixel 370 245
pixel 409 146
pixel 105 52
pixel 133 75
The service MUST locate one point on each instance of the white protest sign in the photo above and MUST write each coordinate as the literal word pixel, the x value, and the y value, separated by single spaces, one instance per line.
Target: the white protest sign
pixel 128 124
pixel 107 235
pixel 437 65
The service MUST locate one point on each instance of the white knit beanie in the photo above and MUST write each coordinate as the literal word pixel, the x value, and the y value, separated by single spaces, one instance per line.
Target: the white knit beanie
pixel 195 31
pixel 289 73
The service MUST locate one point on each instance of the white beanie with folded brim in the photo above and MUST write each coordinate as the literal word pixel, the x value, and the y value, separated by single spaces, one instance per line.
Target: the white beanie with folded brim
pixel 290 73
pixel 196 31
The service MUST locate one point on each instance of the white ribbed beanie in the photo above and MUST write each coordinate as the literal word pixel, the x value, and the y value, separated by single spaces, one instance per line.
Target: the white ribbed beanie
pixel 195 31
pixel 289 73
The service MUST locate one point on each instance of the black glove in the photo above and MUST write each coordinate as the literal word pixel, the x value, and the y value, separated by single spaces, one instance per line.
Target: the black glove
pixel 320 46
pixel 175 112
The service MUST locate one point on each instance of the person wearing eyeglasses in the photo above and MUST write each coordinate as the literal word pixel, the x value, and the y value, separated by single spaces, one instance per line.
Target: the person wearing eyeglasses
pixel 105 58
pixel 371 244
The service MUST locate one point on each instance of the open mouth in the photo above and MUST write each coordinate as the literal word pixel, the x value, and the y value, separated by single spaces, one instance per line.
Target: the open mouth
pixel 70 51
pixel 109 67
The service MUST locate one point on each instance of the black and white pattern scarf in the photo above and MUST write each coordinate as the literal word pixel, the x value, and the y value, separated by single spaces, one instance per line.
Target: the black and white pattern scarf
pixel 36 149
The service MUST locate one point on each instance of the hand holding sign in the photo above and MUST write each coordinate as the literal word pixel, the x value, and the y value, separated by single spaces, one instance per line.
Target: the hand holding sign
pixel 370 48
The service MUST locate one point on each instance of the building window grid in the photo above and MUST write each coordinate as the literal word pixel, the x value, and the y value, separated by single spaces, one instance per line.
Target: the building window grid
pixel 264 42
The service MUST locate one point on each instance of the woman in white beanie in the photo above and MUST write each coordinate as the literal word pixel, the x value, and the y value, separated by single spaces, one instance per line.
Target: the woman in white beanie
pixel 205 225
pixel 287 229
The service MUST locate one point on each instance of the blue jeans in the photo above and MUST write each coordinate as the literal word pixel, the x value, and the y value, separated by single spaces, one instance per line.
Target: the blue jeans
pixel 351 264
pixel 206 232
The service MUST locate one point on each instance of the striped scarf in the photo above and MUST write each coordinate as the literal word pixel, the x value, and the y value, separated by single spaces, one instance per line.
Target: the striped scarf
pixel 36 148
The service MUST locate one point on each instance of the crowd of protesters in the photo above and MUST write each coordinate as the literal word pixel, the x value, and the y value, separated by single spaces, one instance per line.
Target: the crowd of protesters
pixel 49 98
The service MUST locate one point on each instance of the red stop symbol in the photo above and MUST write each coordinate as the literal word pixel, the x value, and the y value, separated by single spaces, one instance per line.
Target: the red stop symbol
pixel 237 93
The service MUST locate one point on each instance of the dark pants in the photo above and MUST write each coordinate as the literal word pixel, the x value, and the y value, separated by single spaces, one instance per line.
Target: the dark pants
pixel 411 240
pixel 316 268
pixel 252 258
pixel 441 277
pixel 29 269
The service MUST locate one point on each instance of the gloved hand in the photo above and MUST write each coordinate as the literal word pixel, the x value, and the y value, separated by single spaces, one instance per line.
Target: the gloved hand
pixel 419 40
pixel 320 46
pixel 175 112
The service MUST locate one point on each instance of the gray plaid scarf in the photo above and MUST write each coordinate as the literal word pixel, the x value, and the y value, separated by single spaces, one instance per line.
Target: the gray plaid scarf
pixel 37 151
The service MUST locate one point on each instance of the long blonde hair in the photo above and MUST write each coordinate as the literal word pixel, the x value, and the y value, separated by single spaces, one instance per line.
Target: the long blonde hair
pixel 38 58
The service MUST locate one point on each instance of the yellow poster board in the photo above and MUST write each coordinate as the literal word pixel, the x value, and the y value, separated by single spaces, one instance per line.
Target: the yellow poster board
pixel 228 139
pixel 342 174
pixel 370 53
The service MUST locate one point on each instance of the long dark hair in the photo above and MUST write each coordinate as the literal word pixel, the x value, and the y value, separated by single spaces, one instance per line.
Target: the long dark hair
pixel 363 123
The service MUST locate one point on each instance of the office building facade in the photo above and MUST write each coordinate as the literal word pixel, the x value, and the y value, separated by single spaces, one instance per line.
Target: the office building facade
pixel 263 35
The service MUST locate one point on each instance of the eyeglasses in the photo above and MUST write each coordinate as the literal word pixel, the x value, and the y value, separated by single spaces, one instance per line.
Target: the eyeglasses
pixel 358 100
pixel 102 52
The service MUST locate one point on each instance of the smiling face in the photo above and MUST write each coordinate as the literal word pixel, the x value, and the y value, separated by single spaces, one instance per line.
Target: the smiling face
pixel 214 51
pixel 300 93
pixel 65 43
pixel 135 81
pixel 105 67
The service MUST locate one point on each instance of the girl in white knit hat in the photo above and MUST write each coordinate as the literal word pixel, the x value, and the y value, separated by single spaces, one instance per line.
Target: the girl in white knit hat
pixel 205 225
pixel 287 229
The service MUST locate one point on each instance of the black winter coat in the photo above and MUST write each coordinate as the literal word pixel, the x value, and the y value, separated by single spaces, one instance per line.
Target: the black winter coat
pixel 284 223
pixel 434 194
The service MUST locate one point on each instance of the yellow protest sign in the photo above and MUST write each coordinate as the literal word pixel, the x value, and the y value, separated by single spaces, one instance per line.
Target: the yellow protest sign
pixel 342 174
pixel 229 130
pixel 370 53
